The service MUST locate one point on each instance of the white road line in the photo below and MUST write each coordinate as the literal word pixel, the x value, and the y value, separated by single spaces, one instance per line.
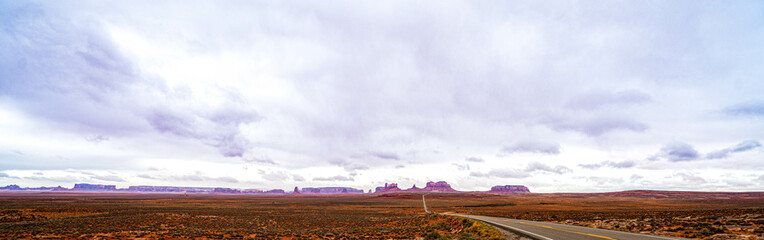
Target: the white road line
pixel 510 227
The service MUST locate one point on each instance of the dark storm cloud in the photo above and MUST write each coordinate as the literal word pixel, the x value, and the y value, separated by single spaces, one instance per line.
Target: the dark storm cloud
pixel 740 147
pixel 530 147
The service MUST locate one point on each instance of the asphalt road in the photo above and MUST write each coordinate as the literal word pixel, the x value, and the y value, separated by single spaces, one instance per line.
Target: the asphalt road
pixel 548 231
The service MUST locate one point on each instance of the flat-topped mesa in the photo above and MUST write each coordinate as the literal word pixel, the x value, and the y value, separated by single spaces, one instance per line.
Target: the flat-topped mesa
pixel 93 187
pixel 226 190
pixel 389 187
pixel 275 191
pixel 509 189
pixel 441 186
pixel 331 190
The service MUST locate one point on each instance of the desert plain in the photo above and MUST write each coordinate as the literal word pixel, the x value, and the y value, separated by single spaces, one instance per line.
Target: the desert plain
pixel 370 216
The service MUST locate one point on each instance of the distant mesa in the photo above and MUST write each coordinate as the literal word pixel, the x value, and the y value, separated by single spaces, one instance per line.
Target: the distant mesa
pixel 389 187
pixel 94 187
pixel 330 190
pixel 226 191
pixel 509 189
pixel 169 189
pixel 442 186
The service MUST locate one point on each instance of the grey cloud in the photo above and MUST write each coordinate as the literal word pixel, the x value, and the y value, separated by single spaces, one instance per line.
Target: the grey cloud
pixel 63 179
pixel 146 176
pixel 745 146
pixel 676 152
pixel 399 166
pixel 605 180
pixel 750 109
pixel 97 139
pixel 260 159
pixel 298 178
pixel 473 159
pixel 347 165
pixel 461 167
pixel 502 173
pixel 598 99
pixel 689 178
pixel 226 179
pixel 740 147
pixel 274 176
pixel 385 155
pixel 537 166
pixel 612 164
pixel 4 175
pixel 595 126
pixel 530 147
pixel 73 69
pixel 108 178
pixel 333 178
pixel 196 177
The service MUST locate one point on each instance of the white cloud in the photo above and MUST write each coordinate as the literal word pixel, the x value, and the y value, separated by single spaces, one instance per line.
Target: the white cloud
pixel 385 91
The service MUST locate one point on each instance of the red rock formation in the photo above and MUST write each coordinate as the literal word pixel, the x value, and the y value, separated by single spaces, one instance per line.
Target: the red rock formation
pixel 441 186
pixel 389 187
pixel 226 190
pixel 509 189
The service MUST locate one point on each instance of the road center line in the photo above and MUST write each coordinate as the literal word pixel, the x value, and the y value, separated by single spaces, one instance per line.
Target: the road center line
pixel 588 234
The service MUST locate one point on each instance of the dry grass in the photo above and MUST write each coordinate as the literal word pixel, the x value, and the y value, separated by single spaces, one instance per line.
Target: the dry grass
pixel 389 216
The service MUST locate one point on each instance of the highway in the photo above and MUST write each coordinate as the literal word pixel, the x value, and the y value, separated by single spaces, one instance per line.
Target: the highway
pixel 549 231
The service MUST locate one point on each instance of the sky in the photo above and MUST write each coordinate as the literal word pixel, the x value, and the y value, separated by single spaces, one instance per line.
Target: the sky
pixel 559 96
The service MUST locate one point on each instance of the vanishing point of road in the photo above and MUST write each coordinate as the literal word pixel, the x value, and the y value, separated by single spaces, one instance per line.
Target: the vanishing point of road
pixel 550 231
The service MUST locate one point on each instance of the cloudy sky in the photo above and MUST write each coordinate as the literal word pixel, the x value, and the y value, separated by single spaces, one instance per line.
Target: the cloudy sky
pixel 560 96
